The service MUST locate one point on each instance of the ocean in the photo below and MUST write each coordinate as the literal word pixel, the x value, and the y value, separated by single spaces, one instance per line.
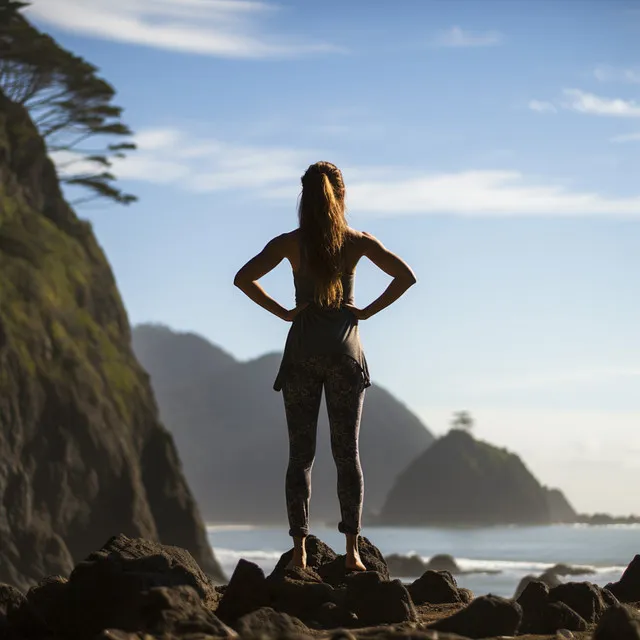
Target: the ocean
pixel 513 551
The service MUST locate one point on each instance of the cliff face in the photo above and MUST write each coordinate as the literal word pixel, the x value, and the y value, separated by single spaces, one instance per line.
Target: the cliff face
pixel 82 453
pixel 463 481
pixel 212 402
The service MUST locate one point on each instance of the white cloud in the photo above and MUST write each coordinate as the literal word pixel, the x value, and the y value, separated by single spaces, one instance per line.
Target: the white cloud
pixel 457 37
pixel 596 105
pixel 627 137
pixel 542 107
pixel 202 165
pixel 227 28
pixel 605 73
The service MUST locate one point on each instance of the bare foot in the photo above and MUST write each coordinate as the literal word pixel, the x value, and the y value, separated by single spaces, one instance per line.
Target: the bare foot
pixel 299 557
pixel 353 563
pixel 298 560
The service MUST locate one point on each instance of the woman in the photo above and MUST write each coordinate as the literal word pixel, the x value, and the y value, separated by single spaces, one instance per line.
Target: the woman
pixel 323 347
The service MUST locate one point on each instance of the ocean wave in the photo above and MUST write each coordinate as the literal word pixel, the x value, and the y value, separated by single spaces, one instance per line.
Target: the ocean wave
pixel 232 527
pixel 519 567
pixel 256 555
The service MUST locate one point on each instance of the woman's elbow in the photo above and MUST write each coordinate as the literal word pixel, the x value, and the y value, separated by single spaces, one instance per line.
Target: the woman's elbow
pixel 238 280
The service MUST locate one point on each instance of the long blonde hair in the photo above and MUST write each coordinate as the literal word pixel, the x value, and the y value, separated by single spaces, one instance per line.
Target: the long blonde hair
pixel 323 230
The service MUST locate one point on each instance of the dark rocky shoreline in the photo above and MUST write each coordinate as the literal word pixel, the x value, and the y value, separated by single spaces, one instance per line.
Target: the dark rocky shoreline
pixel 136 589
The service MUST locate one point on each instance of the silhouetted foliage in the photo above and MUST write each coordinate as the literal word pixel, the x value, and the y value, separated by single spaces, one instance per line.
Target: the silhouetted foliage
pixel 462 420
pixel 67 101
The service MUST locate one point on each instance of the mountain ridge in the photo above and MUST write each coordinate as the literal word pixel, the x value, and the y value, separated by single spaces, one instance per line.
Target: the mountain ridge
pixel 241 399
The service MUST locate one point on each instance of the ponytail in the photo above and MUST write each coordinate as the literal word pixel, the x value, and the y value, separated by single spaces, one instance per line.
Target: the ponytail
pixel 323 230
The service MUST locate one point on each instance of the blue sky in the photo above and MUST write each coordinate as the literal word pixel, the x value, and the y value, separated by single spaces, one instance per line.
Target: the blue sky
pixel 493 145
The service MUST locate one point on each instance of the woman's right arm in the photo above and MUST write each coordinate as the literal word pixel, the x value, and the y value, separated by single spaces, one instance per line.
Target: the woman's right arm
pixel 390 263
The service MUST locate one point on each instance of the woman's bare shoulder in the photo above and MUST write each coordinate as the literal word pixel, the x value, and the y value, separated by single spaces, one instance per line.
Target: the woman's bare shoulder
pixel 362 240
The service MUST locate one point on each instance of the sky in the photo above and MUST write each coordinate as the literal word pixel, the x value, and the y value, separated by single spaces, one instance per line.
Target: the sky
pixel 493 145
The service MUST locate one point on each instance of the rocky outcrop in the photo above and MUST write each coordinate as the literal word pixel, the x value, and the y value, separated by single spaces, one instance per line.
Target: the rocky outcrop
pixel 627 589
pixel 207 398
pixel 134 589
pixel 82 453
pixel 413 565
pixel 463 481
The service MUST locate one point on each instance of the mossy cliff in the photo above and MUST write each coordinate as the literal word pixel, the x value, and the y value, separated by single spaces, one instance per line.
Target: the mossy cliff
pixel 82 453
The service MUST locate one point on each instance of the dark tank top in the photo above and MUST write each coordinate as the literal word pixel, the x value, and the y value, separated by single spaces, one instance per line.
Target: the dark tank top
pixel 320 331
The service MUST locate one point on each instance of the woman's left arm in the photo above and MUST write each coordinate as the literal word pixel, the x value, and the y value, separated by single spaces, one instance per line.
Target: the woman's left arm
pixel 247 277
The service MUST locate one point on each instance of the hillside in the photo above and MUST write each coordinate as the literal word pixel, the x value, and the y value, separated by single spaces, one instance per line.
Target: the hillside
pixel 83 455
pixel 463 481
pixel 230 430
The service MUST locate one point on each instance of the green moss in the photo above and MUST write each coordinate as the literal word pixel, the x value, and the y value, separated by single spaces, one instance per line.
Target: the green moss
pixel 60 309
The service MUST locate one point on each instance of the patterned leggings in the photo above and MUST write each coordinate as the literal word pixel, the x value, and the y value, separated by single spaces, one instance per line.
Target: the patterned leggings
pixel 344 392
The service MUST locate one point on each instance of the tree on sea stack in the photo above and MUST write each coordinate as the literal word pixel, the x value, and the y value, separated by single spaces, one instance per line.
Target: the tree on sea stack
pixel 68 102
pixel 462 420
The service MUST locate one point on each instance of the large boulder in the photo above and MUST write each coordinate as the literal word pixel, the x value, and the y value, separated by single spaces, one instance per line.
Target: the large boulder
pixel 618 623
pixel 133 585
pixel 584 598
pixel 318 554
pixel 301 593
pixel 335 573
pixel 627 589
pixel 82 452
pixel 247 591
pixel 375 600
pixel 268 623
pixel 484 617
pixel 435 587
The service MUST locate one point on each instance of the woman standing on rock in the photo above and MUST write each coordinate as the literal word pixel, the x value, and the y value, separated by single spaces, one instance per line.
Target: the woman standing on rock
pixel 323 347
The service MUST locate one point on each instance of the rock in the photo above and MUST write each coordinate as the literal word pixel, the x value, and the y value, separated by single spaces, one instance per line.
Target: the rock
pixel 335 574
pixel 558 615
pixel 10 601
pixel 267 623
pixel 246 592
pixel 435 587
pixel 118 634
pixel 466 595
pixel 17 617
pixel 562 569
pixel 627 589
pixel 112 589
pixel 618 623
pixel 583 597
pixel 443 562
pixel 46 598
pixel 405 566
pixel 82 451
pixel 542 616
pixel 485 617
pixel 533 600
pixel 178 611
pixel 564 634
pixel 609 599
pixel 376 601
pixel 551 580
pixel 300 593
pixel 318 553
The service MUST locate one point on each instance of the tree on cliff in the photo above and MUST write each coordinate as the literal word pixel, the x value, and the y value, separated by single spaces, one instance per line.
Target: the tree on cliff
pixel 462 420
pixel 68 102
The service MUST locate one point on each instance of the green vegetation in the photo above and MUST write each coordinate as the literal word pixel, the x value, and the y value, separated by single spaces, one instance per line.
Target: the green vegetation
pixel 69 103
pixel 61 313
